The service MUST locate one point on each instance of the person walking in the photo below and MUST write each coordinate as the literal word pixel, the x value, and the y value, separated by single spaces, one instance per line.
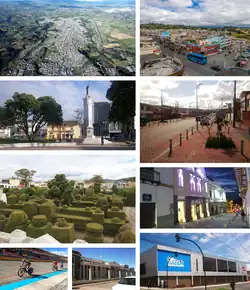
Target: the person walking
pixel 232 285
pixel 102 140
pixel 149 284
pixel 243 215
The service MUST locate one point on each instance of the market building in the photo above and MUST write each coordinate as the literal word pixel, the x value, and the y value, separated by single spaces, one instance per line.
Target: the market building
pixel 88 269
pixel 177 267
pixel 218 198
pixel 171 196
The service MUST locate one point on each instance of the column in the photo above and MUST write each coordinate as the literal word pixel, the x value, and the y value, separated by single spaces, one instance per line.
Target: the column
pixel 120 274
pixel 109 274
pixel 90 273
pixel 192 280
pixel 177 281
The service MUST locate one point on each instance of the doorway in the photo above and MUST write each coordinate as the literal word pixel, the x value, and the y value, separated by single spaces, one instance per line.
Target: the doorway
pixel 181 212
pixel 147 215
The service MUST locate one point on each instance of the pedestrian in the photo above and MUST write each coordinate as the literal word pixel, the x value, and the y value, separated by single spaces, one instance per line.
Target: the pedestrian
pixel 243 215
pixel 149 284
pixel 232 285
pixel 102 140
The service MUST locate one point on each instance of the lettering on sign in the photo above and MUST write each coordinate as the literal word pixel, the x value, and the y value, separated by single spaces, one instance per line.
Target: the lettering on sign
pixel 174 262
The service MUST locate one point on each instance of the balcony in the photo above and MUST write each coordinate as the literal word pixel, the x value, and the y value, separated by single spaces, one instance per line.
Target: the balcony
pixel 150 175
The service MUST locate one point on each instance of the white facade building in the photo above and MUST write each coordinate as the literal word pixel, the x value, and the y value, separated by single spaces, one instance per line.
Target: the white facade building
pixel 217 198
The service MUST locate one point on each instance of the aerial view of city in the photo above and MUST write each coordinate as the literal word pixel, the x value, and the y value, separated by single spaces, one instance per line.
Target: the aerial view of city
pixel 67 38
pixel 195 38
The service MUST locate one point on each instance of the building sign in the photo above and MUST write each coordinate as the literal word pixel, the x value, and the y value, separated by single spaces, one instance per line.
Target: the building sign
pixel 173 261
pixel 146 197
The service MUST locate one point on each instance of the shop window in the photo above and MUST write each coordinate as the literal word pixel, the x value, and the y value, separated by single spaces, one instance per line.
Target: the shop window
pixel 192 182
pixel 197 266
pixel 143 269
pixel 198 184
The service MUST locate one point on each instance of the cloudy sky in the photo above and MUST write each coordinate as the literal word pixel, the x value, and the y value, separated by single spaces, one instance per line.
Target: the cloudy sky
pixel 67 93
pixel 184 92
pixel 57 251
pixel 196 12
pixel 76 167
pixel 231 246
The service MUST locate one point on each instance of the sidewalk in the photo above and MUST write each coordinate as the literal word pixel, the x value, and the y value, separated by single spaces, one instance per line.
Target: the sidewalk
pixel 193 150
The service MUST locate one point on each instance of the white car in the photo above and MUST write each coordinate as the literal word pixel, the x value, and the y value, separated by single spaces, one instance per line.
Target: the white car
pixel 126 283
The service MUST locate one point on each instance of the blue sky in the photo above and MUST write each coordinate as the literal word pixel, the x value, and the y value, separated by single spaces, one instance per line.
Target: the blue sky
pixel 231 246
pixel 58 251
pixel 79 167
pixel 67 93
pixel 123 256
pixel 196 12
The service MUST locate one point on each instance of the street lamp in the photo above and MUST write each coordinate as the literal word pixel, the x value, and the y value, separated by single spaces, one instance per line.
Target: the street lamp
pixel 178 238
pixel 197 102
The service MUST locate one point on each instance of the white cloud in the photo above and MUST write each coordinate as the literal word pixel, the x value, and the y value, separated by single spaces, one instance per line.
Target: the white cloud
pixel 209 12
pixel 76 167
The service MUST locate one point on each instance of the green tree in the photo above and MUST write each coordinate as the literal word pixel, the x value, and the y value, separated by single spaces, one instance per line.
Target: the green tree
pixel 122 96
pixel 115 189
pixel 98 180
pixel 25 176
pixel 24 109
pixel 5 118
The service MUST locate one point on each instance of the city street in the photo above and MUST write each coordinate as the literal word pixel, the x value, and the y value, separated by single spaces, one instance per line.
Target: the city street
pixel 224 221
pixel 194 69
pixel 96 286
pixel 238 286
pixel 155 138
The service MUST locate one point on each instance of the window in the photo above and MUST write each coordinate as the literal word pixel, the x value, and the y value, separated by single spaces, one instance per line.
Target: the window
pixel 206 189
pixel 192 182
pixel 127 281
pixel 197 266
pixel 143 269
pixel 222 265
pixel 180 177
pixel 209 264
pixel 232 266
pixel 198 184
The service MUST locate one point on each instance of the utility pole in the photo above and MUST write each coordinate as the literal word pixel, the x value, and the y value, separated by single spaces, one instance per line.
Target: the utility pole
pixel 161 107
pixel 234 104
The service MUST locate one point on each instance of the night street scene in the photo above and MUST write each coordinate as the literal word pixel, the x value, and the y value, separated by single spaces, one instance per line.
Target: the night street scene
pixel 194 197
pixel 67 199
pixel 67 115
pixel 194 121
pixel 216 261
pixel 103 268
pixel 194 38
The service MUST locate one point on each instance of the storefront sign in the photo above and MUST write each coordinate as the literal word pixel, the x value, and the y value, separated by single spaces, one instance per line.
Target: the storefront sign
pixel 146 197
pixel 197 201
pixel 174 262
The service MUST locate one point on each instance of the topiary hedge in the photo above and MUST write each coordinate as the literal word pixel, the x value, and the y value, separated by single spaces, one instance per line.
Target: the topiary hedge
pixel 78 221
pixel 82 204
pixel 12 199
pixel 125 236
pixel 48 208
pixel 94 233
pixel 23 197
pixel 62 231
pixel 2 222
pixel 112 226
pixel 30 208
pixel 98 216
pixel 84 212
pixel 17 220
pixel 116 212
pixel 39 226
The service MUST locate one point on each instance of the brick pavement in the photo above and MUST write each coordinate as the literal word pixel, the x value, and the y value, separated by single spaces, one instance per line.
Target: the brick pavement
pixel 193 150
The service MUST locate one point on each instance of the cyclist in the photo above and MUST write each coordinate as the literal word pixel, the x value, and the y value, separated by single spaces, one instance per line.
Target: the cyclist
pixel 61 264
pixel 26 264
pixel 55 264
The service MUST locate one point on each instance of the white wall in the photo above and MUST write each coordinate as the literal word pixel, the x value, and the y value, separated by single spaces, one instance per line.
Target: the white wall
pixel 166 175
pixel 150 258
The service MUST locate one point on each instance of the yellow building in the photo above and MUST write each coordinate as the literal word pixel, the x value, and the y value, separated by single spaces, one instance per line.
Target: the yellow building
pixel 68 130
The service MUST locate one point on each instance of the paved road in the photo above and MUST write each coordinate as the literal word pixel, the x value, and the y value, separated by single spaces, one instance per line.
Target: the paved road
pixel 74 148
pixel 130 212
pixel 8 270
pixel 106 285
pixel 155 139
pixel 224 221
pixel 222 287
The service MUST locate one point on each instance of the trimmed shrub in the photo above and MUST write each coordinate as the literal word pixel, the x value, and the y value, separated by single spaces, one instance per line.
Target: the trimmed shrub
pixel 126 236
pixel 82 204
pixel 76 211
pixel 124 228
pixel 112 226
pixel 116 212
pixel 2 222
pixel 117 203
pixel 30 208
pixel 130 198
pixel 98 216
pixel 94 233
pixel 12 199
pixel 78 221
pixel 39 226
pixel 2 204
pixel 89 191
pixel 220 142
pixel 102 201
pixel 48 209
pixel 17 220
pixel 62 231
pixel 65 206
pixel 78 197
pixel 23 197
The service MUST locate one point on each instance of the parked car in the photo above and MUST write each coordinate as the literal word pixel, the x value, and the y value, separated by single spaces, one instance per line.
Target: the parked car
pixel 216 67
pixel 204 121
pixel 126 283
pixel 198 118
